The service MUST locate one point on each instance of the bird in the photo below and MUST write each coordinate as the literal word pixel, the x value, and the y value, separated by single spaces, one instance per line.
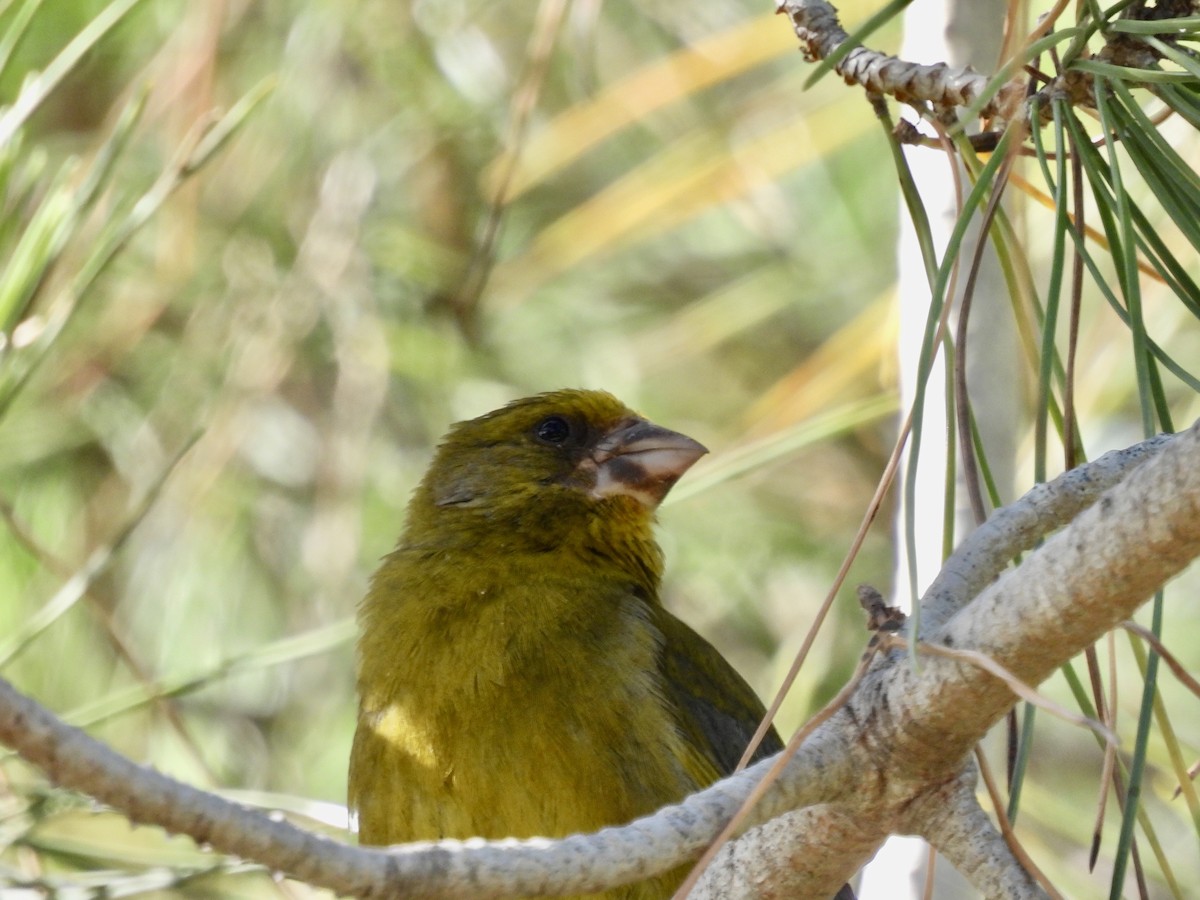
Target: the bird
pixel 517 672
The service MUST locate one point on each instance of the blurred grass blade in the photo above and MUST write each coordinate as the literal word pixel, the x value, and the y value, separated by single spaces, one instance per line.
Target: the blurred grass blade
pixel 62 601
pixel 690 177
pixel 707 322
pixel 117 233
pixel 223 129
pixel 40 243
pixel 770 449
pixel 631 99
pixel 100 173
pixel 15 31
pixel 60 216
pixel 79 583
pixel 289 649
pixel 21 175
pixel 831 372
pixel 36 89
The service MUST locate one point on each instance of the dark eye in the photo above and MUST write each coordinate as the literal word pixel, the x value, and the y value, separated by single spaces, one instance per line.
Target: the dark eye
pixel 553 430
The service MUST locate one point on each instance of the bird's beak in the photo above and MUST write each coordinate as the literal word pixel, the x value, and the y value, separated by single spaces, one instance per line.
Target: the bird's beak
pixel 642 460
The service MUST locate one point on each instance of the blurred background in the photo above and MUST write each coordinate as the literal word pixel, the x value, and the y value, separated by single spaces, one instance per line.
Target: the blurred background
pixel 253 384
pixel 228 353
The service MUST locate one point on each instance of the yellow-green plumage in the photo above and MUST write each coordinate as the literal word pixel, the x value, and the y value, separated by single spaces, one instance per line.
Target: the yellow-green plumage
pixel 518 675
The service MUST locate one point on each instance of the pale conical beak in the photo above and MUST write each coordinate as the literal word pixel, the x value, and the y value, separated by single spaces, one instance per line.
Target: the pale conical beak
pixel 642 460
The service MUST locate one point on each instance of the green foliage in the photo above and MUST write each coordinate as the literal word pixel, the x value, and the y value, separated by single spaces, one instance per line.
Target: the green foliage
pixel 242 253
pixel 1109 275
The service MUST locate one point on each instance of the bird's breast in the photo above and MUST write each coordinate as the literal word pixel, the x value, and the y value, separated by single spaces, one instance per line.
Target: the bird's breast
pixel 537 711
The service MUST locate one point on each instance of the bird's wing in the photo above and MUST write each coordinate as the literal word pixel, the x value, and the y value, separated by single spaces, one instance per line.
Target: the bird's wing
pixel 717 710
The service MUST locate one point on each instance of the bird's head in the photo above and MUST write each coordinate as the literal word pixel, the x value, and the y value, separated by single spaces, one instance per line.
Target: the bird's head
pixel 561 454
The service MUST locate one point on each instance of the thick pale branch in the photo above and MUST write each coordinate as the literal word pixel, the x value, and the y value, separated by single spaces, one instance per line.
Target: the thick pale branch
pixel 1083 581
pixel 1079 584
pixel 803 853
pixel 73 759
pixel 909 732
pixel 988 550
pixel 581 863
pixel 952 820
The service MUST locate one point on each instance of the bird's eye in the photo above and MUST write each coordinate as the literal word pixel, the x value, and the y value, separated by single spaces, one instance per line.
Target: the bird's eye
pixel 553 430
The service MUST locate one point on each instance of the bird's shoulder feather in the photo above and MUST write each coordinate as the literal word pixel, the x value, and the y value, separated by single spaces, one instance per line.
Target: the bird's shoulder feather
pixel 716 708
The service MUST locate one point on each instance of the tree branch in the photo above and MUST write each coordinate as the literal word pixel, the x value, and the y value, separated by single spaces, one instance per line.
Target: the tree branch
pixel 987 551
pixel 952 820
pixel 893 759
pixel 908 733
pixel 447 869
pixel 945 88
pixel 821 34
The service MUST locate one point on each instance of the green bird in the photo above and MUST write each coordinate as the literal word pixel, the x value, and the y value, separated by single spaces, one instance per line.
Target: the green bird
pixel 517 673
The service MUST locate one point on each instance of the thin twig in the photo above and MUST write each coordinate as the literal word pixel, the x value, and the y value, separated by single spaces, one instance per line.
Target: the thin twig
pixel 1006 829
pixel 59 568
pixel 546 27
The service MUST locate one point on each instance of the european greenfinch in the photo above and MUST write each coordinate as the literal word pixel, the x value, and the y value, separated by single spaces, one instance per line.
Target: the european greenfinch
pixel 517 672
